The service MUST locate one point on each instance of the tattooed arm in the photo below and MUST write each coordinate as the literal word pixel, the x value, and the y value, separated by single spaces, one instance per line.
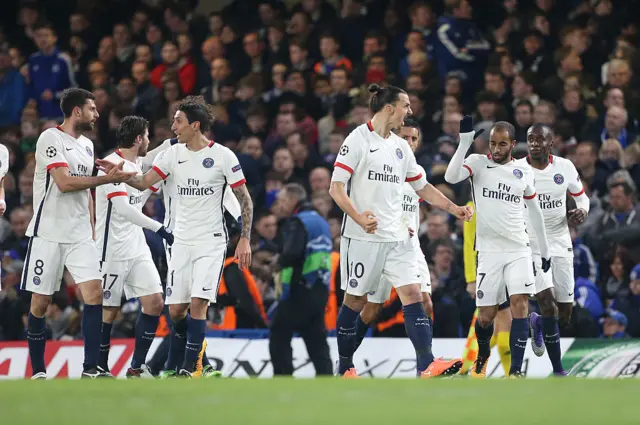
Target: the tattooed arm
pixel 243 250
pixel 246 206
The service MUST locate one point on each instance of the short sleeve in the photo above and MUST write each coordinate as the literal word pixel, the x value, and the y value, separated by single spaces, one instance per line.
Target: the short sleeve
pixel 416 176
pixel 473 163
pixel 574 184
pixel 232 169
pixel 163 164
pixel 4 161
pixel 50 151
pixel 530 189
pixel 349 157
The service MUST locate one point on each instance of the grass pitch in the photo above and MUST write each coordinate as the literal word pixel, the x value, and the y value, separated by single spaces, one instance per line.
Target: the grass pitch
pixel 320 401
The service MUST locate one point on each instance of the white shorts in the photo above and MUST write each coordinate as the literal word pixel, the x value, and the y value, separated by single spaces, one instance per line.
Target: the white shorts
pixel 136 277
pixel 194 272
pixel 563 278
pixel 45 262
pixel 544 280
pixel 384 290
pixel 367 266
pixel 499 272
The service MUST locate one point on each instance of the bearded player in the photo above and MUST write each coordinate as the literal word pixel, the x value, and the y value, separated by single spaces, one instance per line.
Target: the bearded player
pixel 500 189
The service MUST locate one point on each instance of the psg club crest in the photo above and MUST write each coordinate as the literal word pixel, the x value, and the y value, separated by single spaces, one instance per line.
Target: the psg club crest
pixel 169 292
pixel 480 295
pixel 399 153
pixel 207 163
pixel 353 283
pixel 372 293
pixel 106 294
pixel 89 151
pixel 517 173
pixel 36 280
pixel 558 178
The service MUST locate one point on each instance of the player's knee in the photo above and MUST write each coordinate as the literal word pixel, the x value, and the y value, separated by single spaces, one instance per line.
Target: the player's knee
pixel 153 305
pixel 485 316
pixel 428 304
pixel 519 306
pixel 547 304
pixel 409 294
pixel 91 291
pixel 355 302
pixel 109 314
pixel 370 313
pixel 39 304
pixel 178 312
pixel 199 308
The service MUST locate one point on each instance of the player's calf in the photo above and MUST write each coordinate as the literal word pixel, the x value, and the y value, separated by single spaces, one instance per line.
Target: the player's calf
pixel 36 333
pixel 565 310
pixel 484 333
pixel 146 326
pixel 352 305
pixel 196 330
pixel 367 318
pixel 178 339
pixel 109 315
pixel 519 330
pixel 91 292
pixel 417 324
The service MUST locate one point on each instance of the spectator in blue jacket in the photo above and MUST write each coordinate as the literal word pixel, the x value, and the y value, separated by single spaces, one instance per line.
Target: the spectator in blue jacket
pixel 461 47
pixel 629 303
pixel 50 73
pixel 12 91
pixel 588 297
pixel 584 265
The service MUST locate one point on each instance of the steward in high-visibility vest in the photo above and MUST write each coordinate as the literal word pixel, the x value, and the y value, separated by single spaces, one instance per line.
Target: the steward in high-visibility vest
pixel 303 283
pixel 247 312
pixel 331 310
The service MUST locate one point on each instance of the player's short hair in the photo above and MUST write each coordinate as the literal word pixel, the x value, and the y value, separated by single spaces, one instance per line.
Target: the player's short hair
pixel 196 109
pixel 383 96
pixel 297 191
pixel 129 129
pixel 410 122
pixel 505 126
pixel 541 127
pixel 74 98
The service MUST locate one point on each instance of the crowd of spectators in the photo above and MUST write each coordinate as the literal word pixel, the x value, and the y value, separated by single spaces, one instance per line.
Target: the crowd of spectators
pixel 288 83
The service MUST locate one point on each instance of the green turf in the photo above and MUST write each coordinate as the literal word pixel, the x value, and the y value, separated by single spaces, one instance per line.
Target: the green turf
pixel 321 401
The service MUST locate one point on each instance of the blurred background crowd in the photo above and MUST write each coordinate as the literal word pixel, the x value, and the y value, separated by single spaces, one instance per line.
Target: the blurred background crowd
pixel 288 82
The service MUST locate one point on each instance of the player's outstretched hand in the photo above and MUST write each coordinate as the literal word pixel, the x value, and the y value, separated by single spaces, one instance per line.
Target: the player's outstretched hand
pixel 464 213
pixel 368 221
pixel 166 235
pixel 546 264
pixel 243 253
pixel 577 216
pixel 114 171
pixel 411 232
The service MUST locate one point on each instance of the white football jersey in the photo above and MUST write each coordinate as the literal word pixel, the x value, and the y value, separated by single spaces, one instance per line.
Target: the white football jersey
pixel 375 170
pixel 117 239
pixel 552 185
pixel 199 179
pixel 411 208
pixel 4 161
pixel 498 192
pixel 61 217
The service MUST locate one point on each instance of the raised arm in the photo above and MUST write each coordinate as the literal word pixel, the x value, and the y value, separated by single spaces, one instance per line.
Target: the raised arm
pixel 68 183
pixel 146 180
pixel 457 170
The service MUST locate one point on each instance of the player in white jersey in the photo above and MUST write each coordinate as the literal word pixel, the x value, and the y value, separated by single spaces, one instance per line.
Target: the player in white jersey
pixel 125 259
pixel 200 169
pixel 4 168
pixel 555 178
pixel 410 131
pixel 499 187
pixel 61 229
pixel 375 163
pixel 169 194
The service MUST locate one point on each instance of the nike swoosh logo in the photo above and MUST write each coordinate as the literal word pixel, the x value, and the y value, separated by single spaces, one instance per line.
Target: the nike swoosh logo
pixel 182 162
pixel 418 275
pixel 527 285
pixel 428 284
pixel 374 150
pixel 205 289
pixel 149 333
pixel 551 336
pixel 489 166
pixel 69 149
pixel 570 294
